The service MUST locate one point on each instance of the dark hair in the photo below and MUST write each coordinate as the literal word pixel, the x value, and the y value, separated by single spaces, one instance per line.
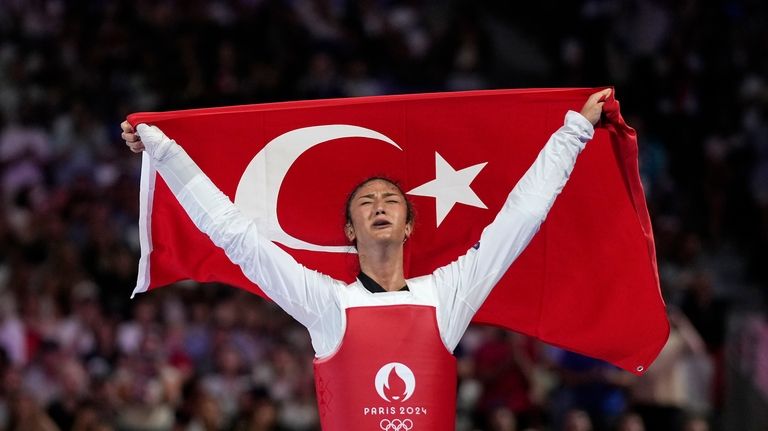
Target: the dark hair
pixel 409 207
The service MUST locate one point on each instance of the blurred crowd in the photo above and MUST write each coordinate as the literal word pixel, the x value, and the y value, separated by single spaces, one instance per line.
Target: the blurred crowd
pixel 77 354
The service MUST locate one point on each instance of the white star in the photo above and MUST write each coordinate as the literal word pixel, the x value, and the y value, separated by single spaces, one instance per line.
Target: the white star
pixel 450 186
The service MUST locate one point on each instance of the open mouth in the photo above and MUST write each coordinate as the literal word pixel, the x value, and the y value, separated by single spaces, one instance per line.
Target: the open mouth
pixel 381 223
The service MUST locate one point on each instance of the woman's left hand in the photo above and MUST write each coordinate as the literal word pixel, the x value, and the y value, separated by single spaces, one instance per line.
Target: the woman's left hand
pixel 594 106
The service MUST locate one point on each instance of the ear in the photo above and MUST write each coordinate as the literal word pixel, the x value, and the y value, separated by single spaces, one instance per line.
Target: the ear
pixel 349 231
pixel 408 229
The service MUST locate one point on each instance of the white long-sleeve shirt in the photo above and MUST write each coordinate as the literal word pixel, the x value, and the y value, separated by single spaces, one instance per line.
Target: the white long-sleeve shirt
pixel 318 301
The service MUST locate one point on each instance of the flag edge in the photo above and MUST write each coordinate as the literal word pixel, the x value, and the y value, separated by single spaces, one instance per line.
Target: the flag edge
pixel 146 194
pixel 139 117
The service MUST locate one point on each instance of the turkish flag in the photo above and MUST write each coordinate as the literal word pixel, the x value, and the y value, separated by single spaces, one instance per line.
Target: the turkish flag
pixel 587 282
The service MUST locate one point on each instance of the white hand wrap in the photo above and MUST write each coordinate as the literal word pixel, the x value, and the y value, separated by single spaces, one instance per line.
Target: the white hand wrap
pixel 156 144
pixel 173 163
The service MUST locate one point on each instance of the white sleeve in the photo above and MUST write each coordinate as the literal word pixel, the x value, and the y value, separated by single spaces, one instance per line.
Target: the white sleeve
pixel 307 295
pixel 463 285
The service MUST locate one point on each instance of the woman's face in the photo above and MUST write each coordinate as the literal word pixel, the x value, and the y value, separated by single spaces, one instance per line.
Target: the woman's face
pixel 379 215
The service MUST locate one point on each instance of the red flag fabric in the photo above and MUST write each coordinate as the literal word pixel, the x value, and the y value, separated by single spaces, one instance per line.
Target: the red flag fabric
pixel 587 282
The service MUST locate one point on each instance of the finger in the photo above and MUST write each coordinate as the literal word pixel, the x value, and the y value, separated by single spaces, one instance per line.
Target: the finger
pixel 604 95
pixel 130 137
pixel 136 147
pixel 126 126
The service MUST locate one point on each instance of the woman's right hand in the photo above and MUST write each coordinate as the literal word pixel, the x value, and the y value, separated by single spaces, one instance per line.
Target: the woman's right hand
pixel 131 138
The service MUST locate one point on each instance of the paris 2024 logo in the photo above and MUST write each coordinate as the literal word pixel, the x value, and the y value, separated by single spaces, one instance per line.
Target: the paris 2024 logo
pixel 395 383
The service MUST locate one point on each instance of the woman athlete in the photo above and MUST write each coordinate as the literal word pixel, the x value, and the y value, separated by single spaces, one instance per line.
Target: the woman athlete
pixel 383 344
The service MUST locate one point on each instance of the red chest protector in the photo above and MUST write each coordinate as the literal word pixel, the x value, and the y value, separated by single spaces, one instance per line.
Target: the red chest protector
pixel 391 372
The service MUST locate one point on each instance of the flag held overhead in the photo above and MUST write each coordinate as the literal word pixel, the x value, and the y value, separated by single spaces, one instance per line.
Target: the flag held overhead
pixel 587 282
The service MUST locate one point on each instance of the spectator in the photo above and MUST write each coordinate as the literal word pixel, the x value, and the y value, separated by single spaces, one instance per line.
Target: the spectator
pixel 26 415
pixel 661 396
pixel 696 424
pixel 631 422
pixel 504 367
pixel 228 382
pixel 577 420
pixel 588 387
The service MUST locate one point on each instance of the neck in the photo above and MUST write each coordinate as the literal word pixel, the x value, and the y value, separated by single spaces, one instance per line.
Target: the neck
pixel 384 266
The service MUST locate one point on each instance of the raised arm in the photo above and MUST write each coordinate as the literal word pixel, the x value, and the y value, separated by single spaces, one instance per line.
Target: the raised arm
pixel 464 284
pixel 304 294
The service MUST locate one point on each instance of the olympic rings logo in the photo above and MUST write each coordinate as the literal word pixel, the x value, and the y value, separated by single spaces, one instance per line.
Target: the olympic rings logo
pixel 396 425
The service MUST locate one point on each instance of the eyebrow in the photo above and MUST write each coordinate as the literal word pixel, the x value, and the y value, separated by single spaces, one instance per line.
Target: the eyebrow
pixel 386 195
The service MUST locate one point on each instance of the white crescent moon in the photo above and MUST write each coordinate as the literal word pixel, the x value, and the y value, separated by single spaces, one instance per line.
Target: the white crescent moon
pixel 259 187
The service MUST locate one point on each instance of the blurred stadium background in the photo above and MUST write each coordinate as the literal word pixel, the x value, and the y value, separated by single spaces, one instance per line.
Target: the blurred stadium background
pixel 77 354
